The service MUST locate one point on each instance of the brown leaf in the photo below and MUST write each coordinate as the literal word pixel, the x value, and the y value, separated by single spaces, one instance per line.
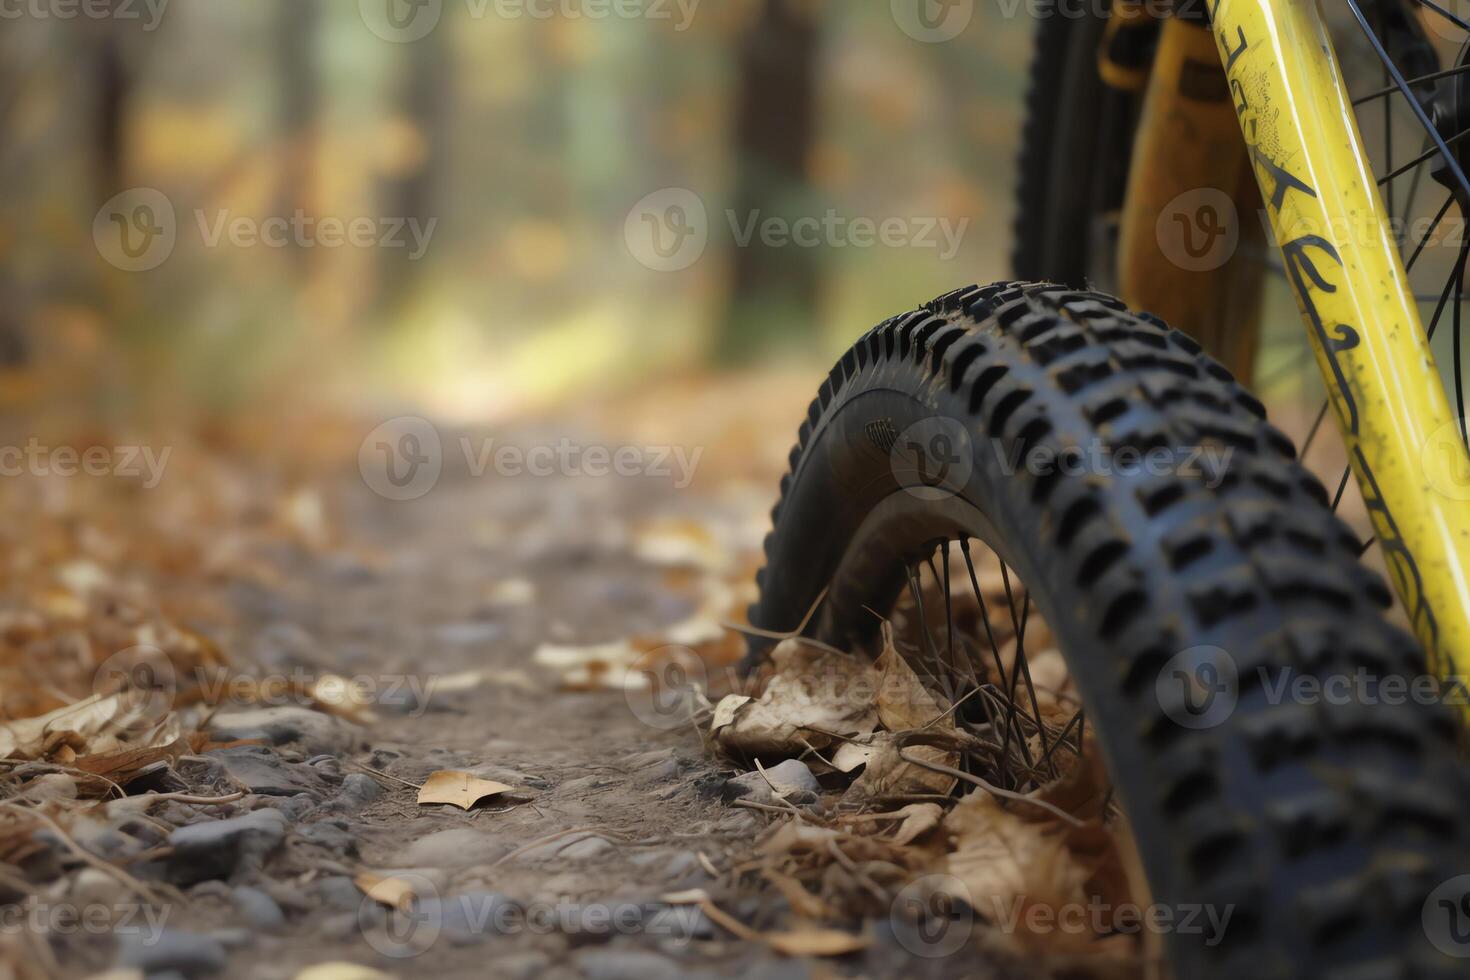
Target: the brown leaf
pixel 461 789
pixel 903 702
pixel 816 942
pixel 888 774
pixel 813 691
pixel 802 902
pixel 389 890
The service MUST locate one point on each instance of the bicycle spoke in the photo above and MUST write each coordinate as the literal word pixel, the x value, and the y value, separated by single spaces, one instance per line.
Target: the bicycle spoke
pixel 1021 662
pixel 1307 446
pixel 1432 76
pixel 915 587
pixel 1419 113
pixel 1444 209
pixel 1341 486
pixel 984 614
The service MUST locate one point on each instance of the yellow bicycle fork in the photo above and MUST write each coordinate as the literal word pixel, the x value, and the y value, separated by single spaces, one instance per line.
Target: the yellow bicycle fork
pixel 1287 97
pixel 1343 264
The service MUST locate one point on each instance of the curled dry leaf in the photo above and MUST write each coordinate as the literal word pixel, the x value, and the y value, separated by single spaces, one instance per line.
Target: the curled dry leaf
pixel 93 725
pixel 816 942
pixel 802 902
pixel 1008 864
pixel 336 695
pixel 394 892
pixel 814 693
pixel 598 667
pixel 461 789
pixel 889 774
pixel 914 821
pixel 903 702
pixel 342 971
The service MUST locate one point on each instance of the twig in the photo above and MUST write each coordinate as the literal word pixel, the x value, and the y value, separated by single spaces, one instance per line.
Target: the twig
pixel 378 772
pixel 990 788
pixel 127 880
pixel 856 872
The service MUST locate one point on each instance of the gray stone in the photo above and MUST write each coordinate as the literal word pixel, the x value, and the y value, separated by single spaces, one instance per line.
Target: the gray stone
pixel 473 917
pixel 331 835
pixel 585 847
pixel 261 771
pixel 358 790
pixel 219 848
pixel 258 909
pixel 318 733
pixel 519 966
pixel 792 779
pixel 458 847
pixel 189 953
pixel 338 892
pixel 625 964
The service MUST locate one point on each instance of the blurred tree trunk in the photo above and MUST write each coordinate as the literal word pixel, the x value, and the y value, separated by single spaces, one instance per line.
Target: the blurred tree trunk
pixel 411 195
pixel 111 85
pixel 773 290
pixel 298 30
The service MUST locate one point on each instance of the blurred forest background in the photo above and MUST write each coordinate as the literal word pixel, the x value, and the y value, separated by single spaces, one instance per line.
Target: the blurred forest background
pixel 525 139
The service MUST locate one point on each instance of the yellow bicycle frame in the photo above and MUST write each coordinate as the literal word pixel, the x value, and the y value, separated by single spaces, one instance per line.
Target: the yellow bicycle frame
pixel 1343 264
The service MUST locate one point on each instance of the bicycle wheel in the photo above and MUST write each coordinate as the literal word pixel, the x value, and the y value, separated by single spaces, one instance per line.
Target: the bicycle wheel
pixel 1322 826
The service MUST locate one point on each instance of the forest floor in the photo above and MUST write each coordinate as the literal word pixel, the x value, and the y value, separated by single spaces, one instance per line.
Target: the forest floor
pixel 327 650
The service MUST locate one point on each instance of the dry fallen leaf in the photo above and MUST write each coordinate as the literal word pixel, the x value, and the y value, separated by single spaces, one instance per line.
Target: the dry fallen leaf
pixel 1007 864
pixel 461 789
pixel 888 774
pixel 802 902
pixel 389 890
pixel 815 692
pixel 342 971
pixel 903 702
pixel 816 942
pixel 599 667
